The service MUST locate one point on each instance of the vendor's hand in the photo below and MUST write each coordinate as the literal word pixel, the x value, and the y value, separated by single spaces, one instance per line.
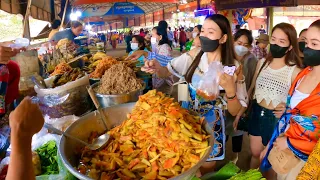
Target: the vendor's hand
pixel 227 82
pixel 137 54
pixel 26 119
pixel 281 143
pixel 235 122
pixel 151 66
pixel 6 53
pixel 263 153
pixel 279 110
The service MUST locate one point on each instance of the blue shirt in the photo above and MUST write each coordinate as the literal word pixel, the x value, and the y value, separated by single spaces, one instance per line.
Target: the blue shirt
pixel 140 59
pixel 67 33
pixel 170 35
pixel 164 60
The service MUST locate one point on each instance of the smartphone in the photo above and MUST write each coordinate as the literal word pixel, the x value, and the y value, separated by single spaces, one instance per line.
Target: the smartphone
pixel 229 70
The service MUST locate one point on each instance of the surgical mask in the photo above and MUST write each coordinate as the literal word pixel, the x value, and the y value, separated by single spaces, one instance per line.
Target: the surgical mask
pixel 194 35
pixel 302 46
pixel 241 50
pixel 134 46
pixel 278 51
pixel 153 40
pixel 208 45
pixel 311 57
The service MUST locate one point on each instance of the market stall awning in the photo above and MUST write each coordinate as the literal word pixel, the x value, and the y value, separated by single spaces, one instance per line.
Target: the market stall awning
pixel 82 2
pixel 148 6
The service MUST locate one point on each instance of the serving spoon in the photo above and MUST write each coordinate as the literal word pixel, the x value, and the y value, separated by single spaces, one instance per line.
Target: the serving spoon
pixel 97 144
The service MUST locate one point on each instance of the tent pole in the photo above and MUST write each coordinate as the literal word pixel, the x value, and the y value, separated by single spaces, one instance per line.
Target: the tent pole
pixel 64 13
pixel 26 26
pixel 269 19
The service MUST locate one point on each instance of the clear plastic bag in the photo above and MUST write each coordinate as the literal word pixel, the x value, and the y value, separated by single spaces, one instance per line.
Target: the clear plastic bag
pixel 69 99
pixel 61 123
pixel 63 172
pixel 208 87
pixel 38 142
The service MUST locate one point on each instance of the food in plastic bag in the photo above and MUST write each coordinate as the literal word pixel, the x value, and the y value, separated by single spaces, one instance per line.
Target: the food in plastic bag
pixel 48 158
pixel 69 99
pixel 208 87
pixel 36 163
pixel 63 172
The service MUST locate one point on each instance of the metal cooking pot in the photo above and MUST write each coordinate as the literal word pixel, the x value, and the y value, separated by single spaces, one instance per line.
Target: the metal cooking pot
pixel 111 100
pixel 92 122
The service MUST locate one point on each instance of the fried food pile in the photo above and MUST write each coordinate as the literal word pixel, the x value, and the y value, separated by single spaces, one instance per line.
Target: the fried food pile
pixel 66 77
pixel 159 140
pixel 119 79
pixel 61 69
pixel 101 66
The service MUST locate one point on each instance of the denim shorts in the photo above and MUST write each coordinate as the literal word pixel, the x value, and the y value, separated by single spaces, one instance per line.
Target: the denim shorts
pixel 262 122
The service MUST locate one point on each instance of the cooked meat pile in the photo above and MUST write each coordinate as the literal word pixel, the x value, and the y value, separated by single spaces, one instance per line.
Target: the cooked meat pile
pixel 119 79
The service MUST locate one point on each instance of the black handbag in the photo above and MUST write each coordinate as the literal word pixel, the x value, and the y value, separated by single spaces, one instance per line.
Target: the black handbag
pixel 243 121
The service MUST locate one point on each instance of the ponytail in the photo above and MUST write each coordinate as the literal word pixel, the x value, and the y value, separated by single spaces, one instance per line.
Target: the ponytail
pixel 193 67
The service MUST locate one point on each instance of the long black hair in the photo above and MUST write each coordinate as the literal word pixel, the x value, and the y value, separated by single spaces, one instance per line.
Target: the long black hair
pixel 163 33
pixel 227 49
pixel 141 42
pixel 243 32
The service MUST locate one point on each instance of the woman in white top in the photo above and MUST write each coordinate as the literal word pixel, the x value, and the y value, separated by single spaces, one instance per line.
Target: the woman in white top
pixel 216 45
pixel 273 80
pixel 164 49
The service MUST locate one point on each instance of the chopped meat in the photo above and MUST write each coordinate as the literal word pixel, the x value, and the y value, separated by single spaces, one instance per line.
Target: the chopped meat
pixel 119 79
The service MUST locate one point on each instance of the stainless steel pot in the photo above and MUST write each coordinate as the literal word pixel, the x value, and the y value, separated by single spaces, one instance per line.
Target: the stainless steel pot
pixel 92 122
pixel 111 100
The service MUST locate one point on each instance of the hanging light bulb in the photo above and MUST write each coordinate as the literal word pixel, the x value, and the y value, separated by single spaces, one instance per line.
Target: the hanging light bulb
pixel 78 13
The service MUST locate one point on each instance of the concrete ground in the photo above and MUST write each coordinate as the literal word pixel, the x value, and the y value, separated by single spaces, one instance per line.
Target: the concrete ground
pixel 244 156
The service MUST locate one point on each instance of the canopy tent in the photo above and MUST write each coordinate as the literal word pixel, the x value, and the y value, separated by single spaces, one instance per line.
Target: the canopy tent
pixel 148 6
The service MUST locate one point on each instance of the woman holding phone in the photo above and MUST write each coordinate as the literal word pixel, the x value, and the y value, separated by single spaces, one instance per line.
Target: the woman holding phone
pixel 216 42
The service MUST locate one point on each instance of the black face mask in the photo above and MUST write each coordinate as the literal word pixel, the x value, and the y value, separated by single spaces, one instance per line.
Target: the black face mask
pixel 208 45
pixel 302 46
pixel 311 57
pixel 278 51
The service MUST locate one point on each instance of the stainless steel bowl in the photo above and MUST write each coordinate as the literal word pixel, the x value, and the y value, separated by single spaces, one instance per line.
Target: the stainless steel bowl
pixel 92 122
pixel 111 100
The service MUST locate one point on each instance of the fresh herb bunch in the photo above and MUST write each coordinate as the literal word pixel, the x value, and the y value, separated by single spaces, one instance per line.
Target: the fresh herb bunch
pixel 48 158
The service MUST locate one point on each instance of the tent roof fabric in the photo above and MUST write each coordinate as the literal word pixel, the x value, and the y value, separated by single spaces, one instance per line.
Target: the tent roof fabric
pixel 146 7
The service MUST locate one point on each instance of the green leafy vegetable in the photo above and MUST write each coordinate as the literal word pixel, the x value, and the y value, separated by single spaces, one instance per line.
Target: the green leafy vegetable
pixel 48 158
pixel 252 174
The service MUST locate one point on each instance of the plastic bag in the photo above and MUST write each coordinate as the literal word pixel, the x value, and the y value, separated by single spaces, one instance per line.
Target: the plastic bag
pixel 63 172
pixel 28 62
pixel 208 87
pixel 69 99
pixel 61 123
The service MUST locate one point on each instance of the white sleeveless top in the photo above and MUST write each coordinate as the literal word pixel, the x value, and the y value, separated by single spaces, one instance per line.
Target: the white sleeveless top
pixel 273 85
pixel 297 96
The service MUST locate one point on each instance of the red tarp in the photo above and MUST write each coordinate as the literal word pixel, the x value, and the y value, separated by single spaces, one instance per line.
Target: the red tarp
pixel 81 2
